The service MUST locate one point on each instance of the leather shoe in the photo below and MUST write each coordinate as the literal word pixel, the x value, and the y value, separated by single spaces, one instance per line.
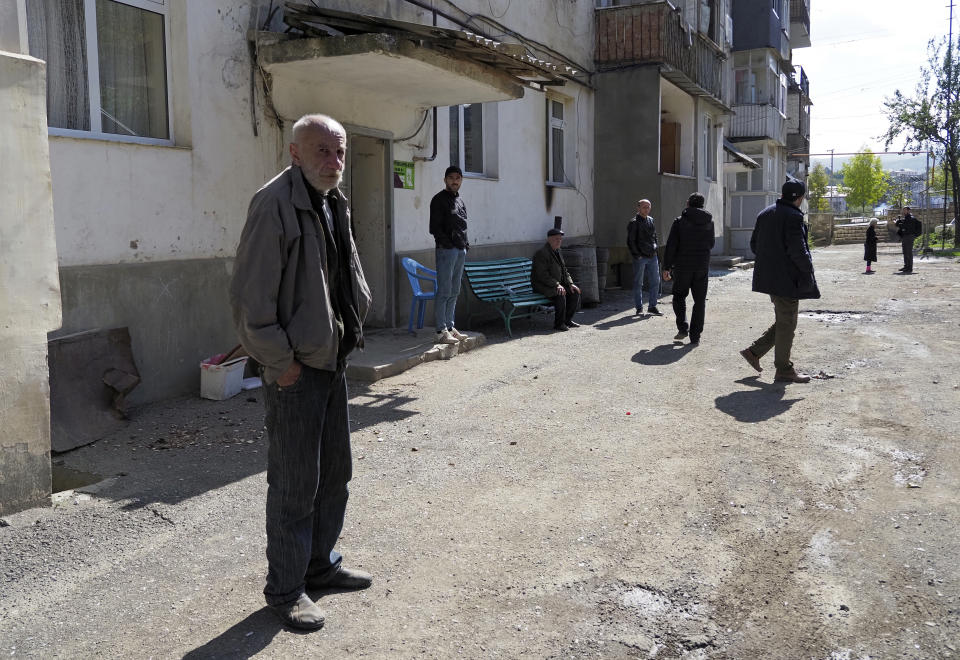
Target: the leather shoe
pixel 791 377
pixel 752 359
pixel 573 324
pixel 301 613
pixel 344 578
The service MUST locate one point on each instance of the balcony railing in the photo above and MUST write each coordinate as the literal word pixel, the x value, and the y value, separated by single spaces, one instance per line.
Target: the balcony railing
pixel 759 122
pixel 799 80
pixel 653 33
pixel 798 144
pixel 800 23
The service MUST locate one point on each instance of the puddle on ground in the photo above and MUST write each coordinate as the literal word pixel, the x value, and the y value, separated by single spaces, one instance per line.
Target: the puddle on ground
pixel 65 478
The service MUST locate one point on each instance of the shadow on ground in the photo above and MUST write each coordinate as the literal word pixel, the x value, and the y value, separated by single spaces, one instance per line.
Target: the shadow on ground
pixel 179 449
pixel 763 402
pixel 244 639
pixel 662 354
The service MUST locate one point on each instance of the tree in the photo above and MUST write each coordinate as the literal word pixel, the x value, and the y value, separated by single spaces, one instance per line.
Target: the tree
pixel 932 115
pixel 864 179
pixel 817 189
pixel 938 186
pixel 899 193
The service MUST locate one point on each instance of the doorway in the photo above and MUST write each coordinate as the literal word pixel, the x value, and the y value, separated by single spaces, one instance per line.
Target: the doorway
pixel 367 183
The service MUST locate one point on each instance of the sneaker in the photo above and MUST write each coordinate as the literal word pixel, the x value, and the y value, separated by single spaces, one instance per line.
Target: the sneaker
pixel 444 337
pixel 302 613
pixel 560 328
pixel 639 311
pixel 752 359
pixel 654 311
pixel 791 377
pixel 694 341
pixel 573 324
pixel 680 336
pixel 457 334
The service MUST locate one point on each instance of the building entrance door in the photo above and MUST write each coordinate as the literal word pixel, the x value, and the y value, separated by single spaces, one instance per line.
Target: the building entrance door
pixel 367 173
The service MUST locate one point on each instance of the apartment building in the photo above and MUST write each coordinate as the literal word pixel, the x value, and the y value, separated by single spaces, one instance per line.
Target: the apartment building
pixel 765 32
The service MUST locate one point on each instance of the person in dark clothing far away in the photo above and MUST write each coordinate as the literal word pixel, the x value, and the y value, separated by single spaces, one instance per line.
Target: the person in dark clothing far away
pixel 908 228
pixel 299 299
pixel 870 246
pixel 448 224
pixel 686 262
pixel 550 278
pixel 784 270
pixel 642 242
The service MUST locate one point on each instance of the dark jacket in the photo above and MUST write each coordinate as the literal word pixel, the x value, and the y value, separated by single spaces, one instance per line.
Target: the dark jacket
pixel 783 264
pixel 870 245
pixel 448 220
pixel 642 237
pixel 280 291
pixel 690 241
pixel 548 271
pixel 908 227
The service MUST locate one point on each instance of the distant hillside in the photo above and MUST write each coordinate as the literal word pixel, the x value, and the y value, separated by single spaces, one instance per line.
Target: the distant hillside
pixel 890 162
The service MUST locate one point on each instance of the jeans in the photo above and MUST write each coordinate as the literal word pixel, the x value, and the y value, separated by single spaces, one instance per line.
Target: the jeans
pixel 449 271
pixel 308 467
pixel 686 281
pixel 779 336
pixel 564 307
pixel 649 268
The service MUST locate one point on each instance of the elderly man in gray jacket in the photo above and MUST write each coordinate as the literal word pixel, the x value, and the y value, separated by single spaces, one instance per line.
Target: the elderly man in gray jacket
pixel 299 299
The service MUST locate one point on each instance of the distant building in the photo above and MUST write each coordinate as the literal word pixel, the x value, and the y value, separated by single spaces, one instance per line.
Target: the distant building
pixel 838 200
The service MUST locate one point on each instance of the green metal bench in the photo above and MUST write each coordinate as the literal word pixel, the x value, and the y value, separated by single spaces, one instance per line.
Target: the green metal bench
pixel 505 284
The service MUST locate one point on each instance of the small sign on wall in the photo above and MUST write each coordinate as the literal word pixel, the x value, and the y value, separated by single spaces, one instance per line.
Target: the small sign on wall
pixel 403 174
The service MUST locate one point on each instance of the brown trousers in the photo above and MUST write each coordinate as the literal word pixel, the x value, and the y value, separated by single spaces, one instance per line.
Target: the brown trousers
pixel 779 336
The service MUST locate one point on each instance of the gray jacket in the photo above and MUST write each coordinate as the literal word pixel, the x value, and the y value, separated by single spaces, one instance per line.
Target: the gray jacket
pixel 280 291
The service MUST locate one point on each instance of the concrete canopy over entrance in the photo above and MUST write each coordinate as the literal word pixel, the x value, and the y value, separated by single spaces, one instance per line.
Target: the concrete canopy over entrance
pixel 380 66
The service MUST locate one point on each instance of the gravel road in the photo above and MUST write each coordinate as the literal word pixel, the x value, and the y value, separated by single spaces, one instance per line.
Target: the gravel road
pixel 596 493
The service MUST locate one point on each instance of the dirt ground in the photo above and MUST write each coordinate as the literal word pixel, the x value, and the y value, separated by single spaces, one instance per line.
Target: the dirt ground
pixel 596 493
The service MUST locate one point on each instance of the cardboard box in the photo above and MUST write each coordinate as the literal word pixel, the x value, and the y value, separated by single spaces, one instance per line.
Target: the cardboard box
pixel 221 381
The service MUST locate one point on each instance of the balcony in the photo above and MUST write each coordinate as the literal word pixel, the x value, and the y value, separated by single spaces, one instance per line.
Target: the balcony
pixel 800 23
pixel 653 33
pixel 758 122
pixel 799 82
pixel 798 144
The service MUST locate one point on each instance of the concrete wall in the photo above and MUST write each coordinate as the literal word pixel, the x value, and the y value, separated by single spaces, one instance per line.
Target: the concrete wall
pixel 627 138
pixel 29 292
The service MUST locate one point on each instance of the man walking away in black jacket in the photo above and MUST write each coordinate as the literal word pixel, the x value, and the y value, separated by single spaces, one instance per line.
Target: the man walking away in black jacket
pixel 687 262
pixel 784 270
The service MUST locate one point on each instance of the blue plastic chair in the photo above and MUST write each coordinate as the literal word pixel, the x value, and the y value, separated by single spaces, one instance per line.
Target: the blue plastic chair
pixel 420 297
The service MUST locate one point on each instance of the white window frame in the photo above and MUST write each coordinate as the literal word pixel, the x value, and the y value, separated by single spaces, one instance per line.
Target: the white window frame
pixel 561 125
pixel 93 72
pixel 489 143
pixel 708 148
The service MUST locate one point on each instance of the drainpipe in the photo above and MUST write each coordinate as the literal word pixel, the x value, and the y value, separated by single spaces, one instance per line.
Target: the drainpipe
pixel 428 159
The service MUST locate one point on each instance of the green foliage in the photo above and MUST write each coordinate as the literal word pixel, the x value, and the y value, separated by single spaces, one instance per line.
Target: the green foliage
pixel 931 116
pixel 938 185
pixel 899 193
pixel 817 189
pixel 865 180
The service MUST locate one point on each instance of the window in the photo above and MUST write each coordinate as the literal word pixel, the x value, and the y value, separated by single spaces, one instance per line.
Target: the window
pixel 556 142
pixel 757 176
pixel 473 138
pixel 708 149
pixel 106 65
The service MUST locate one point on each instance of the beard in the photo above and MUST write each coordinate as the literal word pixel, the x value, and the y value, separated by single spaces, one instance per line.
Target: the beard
pixel 323 182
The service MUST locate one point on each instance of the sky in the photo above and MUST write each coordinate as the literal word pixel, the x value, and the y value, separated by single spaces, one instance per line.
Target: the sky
pixel 863 50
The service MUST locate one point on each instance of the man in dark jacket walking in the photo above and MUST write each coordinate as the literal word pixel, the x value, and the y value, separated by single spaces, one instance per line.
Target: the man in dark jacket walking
pixel 784 270
pixel 908 228
pixel 550 278
pixel 686 261
pixel 642 242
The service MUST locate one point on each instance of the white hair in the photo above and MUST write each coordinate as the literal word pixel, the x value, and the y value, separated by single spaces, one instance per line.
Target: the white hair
pixel 315 121
pixel 644 201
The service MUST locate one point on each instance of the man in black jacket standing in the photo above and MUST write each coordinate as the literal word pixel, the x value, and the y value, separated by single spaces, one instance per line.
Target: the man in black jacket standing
pixel 642 242
pixel 784 270
pixel 908 228
pixel 448 224
pixel 686 261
